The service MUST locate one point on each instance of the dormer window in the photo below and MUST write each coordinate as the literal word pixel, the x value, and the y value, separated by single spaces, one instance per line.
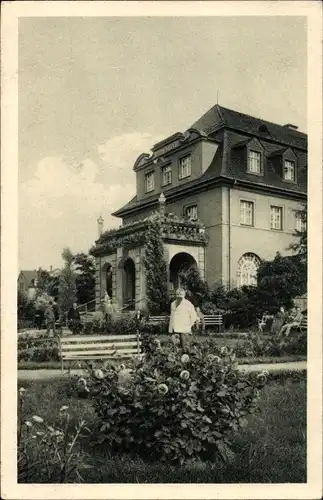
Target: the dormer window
pixel 166 175
pixel 149 182
pixel 254 162
pixel 191 212
pixel 289 170
pixel 184 168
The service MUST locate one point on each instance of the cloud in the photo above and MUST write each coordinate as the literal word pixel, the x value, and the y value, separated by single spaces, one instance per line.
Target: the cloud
pixel 120 153
pixel 60 205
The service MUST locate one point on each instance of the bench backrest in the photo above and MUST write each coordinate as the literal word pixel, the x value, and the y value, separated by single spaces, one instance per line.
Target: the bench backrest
pixel 213 319
pixel 158 319
pixel 100 346
pixel 303 323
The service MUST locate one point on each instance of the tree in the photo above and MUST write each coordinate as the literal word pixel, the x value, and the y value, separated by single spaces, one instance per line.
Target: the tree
pixel 85 277
pixel 47 284
pixel 281 280
pixel 193 282
pixel 67 287
pixel 300 247
pixel 22 301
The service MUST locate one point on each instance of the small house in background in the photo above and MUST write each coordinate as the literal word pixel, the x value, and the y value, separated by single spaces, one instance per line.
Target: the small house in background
pixel 27 282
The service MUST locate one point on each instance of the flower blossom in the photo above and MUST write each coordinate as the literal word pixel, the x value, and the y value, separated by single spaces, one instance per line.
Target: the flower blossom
pixel 29 424
pixel 81 381
pixel 22 390
pixel 171 357
pixel 184 375
pixel 185 358
pixel 176 339
pixel 38 419
pixel 213 357
pixel 162 389
pixel 63 408
pixel 98 374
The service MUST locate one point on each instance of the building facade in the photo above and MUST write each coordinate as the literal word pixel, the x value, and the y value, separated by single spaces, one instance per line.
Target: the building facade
pixel 27 283
pixel 239 182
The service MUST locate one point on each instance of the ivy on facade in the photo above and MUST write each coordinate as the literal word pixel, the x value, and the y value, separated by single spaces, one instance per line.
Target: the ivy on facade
pixel 156 269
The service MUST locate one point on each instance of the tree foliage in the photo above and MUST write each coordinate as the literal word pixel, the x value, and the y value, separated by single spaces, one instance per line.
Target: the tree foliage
pixel 300 247
pixel 84 266
pixel 67 287
pixel 282 279
pixel 198 288
pixel 156 269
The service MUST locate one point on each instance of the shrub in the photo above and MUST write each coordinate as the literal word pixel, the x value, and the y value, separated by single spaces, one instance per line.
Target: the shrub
pixel 38 349
pixel 296 343
pixel 173 407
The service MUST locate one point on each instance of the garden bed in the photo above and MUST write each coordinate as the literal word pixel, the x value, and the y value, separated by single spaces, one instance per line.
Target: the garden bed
pixel 271 449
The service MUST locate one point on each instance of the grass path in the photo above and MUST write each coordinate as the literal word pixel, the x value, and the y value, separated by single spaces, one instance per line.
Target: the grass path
pixel 55 374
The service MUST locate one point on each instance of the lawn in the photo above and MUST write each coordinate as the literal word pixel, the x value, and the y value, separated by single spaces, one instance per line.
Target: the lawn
pixel 271 449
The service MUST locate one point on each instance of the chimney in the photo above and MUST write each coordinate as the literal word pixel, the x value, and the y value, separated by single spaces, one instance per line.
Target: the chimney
pixel 291 126
pixel 100 225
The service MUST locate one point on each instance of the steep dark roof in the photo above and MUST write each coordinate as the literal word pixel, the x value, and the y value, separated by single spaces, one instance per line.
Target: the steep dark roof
pixel 219 116
pixel 240 128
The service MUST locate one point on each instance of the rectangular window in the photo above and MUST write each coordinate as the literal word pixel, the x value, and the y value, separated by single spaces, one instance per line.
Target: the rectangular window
pixel 254 162
pixel 191 212
pixel 289 171
pixel 276 218
pixel 246 213
pixel 184 167
pixel 300 222
pixel 166 175
pixel 149 182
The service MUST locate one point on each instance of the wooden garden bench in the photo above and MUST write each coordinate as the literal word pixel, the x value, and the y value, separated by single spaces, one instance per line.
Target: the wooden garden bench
pixel 208 319
pixel 263 321
pixel 157 320
pixel 91 347
pixel 303 324
pixel 213 320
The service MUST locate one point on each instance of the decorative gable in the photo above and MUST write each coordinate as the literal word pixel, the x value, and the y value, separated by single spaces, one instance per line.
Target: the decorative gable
pixel 250 153
pixel 284 163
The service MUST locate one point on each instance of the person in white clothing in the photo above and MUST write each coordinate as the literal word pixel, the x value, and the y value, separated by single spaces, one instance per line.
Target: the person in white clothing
pixel 182 318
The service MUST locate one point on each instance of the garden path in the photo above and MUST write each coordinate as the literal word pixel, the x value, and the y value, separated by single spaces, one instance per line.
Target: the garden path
pixel 45 374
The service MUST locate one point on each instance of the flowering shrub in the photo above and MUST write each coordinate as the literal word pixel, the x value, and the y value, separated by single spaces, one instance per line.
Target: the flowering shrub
pixel 171 406
pixel 48 454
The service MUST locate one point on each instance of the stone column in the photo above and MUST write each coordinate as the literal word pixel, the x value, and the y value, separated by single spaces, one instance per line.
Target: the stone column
pixel 114 278
pixel 119 277
pixel 137 278
pixel 97 282
pixel 201 262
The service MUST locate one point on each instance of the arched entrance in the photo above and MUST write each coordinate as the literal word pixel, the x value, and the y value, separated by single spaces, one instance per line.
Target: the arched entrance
pixel 107 280
pixel 129 283
pixel 180 262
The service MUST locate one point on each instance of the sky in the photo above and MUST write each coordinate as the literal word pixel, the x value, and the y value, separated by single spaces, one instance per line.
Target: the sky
pixel 95 93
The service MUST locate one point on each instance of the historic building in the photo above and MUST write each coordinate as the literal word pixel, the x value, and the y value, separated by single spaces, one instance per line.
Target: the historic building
pixel 27 282
pixel 232 188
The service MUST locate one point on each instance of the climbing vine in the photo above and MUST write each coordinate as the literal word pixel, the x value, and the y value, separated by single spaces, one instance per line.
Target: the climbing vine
pixel 156 269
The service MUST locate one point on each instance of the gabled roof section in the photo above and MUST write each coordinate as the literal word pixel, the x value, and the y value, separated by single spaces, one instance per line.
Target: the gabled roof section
pixel 29 275
pixel 218 117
